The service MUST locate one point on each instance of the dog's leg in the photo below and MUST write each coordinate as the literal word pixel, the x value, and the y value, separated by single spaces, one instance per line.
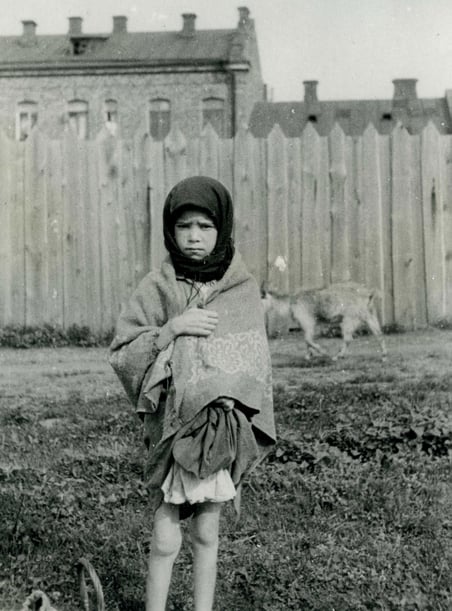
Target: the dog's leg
pixel 375 329
pixel 304 318
pixel 309 331
pixel 348 327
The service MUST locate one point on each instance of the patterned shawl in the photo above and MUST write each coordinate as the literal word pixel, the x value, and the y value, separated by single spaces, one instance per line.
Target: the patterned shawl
pixel 234 361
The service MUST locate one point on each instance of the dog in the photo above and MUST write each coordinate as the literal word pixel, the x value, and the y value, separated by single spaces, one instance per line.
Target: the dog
pixel 351 305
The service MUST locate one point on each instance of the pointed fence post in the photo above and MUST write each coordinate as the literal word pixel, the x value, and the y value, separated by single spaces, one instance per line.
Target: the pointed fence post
pixel 175 157
pixel 6 231
pixel 433 224
pixel 278 219
pixel 312 210
pixel 157 195
pixel 55 294
pixel 36 268
pixel 446 180
pixel 108 228
pixel 372 216
pixel 249 203
pixel 209 152
pixel 407 242
pixel 340 263
pixel 140 198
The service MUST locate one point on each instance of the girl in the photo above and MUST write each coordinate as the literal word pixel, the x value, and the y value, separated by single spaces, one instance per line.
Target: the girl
pixel 191 351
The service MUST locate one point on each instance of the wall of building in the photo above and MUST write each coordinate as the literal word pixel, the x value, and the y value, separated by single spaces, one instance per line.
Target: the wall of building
pixel 185 91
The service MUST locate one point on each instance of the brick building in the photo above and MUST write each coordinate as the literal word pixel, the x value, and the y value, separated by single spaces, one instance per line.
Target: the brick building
pixel 354 115
pixel 131 81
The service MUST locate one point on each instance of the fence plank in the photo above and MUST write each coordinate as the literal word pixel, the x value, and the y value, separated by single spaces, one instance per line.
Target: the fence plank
pixel 324 208
pixel 433 224
pixel 340 261
pixel 158 193
pixel 55 295
pixel 371 226
pixel 17 220
pixel 226 163
pixel 354 196
pixel 93 259
pixel 278 219
pixel 385 152
pixel 420 295
pixel 123 221
pixel 446 182
pixel 140 208
pixel 111 290
pixel 249 217
pixel 406 246
pixel 312 268
pixel 36 246
pixel 209 152
pixel 294 177
pixel 6 234
pixel 175 157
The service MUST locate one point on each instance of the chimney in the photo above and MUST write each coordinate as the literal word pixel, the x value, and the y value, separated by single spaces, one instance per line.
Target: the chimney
pixel 405 95
pixel 244 17
pixel 188 28
pixel 405 89
pixel 75 26
pixel 29 31
pixel 310 92
pixel 119 24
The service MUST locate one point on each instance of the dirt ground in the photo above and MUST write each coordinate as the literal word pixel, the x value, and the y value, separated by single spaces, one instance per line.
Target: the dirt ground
pixel 28 375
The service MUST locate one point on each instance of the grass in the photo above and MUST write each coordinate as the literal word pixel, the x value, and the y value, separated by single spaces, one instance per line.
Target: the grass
pixel 351 510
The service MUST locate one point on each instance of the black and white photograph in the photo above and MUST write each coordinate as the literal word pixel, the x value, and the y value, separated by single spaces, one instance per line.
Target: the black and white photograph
pixel 226 305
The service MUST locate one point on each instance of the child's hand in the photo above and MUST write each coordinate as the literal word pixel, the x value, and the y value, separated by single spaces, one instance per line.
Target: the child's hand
pixel 195 321
pixel 226 402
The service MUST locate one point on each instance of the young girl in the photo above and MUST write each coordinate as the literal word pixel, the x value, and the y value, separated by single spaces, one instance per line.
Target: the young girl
pixel 191 351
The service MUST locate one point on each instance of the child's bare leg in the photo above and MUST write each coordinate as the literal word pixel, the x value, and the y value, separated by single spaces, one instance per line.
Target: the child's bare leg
pixel 165 545
pixel 204 534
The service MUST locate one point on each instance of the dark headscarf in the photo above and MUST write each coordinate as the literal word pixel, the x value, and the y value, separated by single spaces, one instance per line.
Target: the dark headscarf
pixel 214 199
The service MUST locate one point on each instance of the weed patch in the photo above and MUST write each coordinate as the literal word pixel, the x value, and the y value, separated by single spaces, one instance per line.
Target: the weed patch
pixel 350 511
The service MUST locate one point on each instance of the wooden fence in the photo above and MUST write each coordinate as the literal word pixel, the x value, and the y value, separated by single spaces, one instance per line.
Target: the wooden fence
pixel 80 221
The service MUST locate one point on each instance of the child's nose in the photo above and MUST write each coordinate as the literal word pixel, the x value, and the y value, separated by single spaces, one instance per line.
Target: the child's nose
pixel 194 234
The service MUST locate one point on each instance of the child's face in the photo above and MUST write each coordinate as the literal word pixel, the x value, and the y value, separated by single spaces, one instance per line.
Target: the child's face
pixel 195 234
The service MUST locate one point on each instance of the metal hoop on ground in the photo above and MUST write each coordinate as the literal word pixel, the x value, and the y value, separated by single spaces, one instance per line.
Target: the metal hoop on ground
pixel 84 566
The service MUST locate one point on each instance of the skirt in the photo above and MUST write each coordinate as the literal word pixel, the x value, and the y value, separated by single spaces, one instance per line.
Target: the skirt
pixel 181 486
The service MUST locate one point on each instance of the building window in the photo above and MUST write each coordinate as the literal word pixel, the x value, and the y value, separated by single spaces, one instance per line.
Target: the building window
pixel 159 118
pixel 111 115
pixel 27 117
pixel 213 113
pixel 387 116
pixel 78 118
pixel 312 118
pixel 79 46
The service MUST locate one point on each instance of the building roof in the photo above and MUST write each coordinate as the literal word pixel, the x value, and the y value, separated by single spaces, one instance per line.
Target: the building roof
pixel 210 45
pixel 186 46
pixel 352 115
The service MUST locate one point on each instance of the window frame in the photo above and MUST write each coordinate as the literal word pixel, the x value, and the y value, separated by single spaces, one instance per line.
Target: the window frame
pixel 28 109
pixel 78 114
pixel 214 112
pixel 159 118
